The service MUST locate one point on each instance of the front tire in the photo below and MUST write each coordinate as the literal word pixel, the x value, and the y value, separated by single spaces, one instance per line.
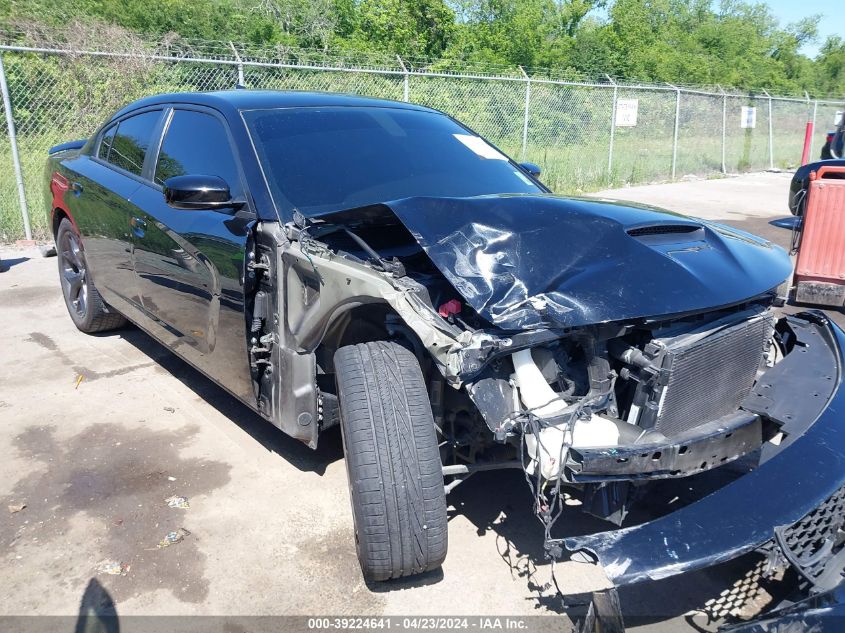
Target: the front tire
pixel 392 460
pixel 84 304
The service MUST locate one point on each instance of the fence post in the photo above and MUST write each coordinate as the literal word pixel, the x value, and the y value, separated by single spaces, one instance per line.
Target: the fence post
pixel 677 125
pixel 612 128
pixel 724 127
pixel 771 134
pixel 406 87
pixel 813 137
pixel 241 82
pixel 13 145
pixel 527 104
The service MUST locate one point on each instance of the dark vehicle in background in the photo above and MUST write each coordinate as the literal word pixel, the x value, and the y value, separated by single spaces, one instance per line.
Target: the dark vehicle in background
pixel 800 184
pixel 336 260
pixel 834 145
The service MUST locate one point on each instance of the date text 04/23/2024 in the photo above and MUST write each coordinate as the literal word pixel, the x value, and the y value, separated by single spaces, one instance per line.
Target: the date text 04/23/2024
pixel 416 623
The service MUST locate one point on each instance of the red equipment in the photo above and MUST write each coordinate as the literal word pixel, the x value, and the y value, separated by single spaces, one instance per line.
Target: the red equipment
pixel 808 141
pixel 820 270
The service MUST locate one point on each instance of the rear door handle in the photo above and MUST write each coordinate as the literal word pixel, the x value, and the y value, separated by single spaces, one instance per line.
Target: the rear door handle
pixel 139 226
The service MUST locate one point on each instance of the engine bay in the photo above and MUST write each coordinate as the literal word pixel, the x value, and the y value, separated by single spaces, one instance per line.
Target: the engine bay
pixel 658 384
pixel 605 409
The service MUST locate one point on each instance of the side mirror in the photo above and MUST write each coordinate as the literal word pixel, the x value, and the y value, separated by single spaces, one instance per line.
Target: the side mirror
pixel 198 192
pixel 532 168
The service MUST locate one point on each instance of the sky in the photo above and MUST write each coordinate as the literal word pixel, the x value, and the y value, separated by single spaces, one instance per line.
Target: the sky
pixel 833 22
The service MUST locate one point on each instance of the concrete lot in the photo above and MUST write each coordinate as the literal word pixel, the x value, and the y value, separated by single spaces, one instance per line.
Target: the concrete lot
pixel 97 431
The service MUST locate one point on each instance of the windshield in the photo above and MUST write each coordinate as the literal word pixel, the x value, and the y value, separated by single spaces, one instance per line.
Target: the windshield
pixel 332 158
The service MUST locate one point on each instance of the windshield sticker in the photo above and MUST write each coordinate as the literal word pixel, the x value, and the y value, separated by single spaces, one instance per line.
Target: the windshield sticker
pixel 480 146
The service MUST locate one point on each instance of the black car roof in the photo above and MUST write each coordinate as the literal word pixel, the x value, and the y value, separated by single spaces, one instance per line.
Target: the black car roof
pixel 262 99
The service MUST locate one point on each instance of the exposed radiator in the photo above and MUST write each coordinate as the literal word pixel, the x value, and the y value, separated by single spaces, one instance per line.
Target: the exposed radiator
pixel 711 370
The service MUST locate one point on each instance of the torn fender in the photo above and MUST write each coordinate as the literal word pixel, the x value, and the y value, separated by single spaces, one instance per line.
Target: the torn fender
pixel 742 516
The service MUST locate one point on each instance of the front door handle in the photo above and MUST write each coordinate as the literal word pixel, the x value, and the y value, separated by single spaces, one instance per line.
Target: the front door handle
pixel 139 226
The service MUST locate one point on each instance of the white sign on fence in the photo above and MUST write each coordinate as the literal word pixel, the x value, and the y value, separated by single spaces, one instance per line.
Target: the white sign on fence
pixel 626 112
pixel 748 118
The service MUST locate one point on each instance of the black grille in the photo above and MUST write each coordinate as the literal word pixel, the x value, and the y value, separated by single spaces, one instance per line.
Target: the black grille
pixel 660 229
pixel 711 374
pixel 814 544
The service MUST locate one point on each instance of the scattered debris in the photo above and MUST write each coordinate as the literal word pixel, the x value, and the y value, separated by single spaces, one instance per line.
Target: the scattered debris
pixel 16 507
pixel 117 522
pixel 177 536
pixel 112 568
pixel 78 380
pixel 169 478
pixel 178 502
pixel 47 250
pixel 170 409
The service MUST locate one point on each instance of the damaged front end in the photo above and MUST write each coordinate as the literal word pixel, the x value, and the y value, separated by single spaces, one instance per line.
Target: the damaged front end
pixel 598 347
pixel 790 509
pixel 792 503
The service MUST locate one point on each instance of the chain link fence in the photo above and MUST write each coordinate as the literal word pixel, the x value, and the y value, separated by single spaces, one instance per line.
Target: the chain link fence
pixel 585 136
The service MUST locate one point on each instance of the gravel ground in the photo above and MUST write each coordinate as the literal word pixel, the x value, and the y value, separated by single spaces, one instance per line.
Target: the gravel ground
pixel 99 431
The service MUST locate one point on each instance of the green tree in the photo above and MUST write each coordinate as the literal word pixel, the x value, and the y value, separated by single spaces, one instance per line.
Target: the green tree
pixel 735 43
pixel 830 69
pixel 412 29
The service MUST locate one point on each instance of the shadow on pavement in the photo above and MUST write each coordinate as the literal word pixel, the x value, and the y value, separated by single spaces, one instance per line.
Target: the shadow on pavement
pixel 97 611
pixel 329 450
pixel 6 264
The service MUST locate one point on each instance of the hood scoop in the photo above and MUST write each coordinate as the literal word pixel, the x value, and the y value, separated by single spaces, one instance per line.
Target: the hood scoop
pixel 675 230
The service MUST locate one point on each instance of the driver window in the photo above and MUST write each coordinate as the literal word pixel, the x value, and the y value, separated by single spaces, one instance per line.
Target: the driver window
pixel 196 143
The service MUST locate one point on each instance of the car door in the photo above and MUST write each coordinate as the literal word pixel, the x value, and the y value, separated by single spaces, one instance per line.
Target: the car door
pixel 99 202
pixel 189 263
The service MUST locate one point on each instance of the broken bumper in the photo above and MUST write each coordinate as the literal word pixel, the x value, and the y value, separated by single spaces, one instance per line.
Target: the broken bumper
pixel 797 479
pixel 706 447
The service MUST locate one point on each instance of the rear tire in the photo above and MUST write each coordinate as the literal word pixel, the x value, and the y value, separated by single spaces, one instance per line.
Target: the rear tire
pixel 392 460
pixel 86 308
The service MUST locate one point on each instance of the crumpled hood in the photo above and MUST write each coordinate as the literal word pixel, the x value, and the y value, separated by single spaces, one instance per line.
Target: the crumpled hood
pixel 545 261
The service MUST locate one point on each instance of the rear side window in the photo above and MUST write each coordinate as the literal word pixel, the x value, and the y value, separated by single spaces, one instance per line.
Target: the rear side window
pixel 196 143
pixel 105 143
pixel 131 141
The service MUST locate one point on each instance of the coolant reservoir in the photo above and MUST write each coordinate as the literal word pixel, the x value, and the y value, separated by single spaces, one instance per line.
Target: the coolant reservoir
pixel 550 452
pixel 595 432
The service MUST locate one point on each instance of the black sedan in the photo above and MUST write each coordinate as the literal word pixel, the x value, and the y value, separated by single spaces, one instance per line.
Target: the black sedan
pixel 335 260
